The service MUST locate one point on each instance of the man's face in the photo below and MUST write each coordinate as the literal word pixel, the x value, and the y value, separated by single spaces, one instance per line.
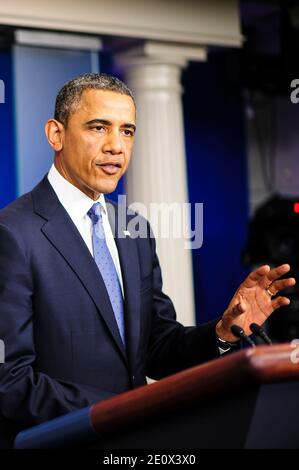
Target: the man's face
pixel 97 143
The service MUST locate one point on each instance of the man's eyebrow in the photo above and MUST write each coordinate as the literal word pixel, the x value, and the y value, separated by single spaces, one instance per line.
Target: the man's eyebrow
pixel 105 122
pixel 99 121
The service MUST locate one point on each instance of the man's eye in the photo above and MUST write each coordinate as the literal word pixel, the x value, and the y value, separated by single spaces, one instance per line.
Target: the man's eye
pixel 128 132
pixel 99 128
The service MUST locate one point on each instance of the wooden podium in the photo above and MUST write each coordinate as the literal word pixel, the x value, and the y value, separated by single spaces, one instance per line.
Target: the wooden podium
pixel 248 399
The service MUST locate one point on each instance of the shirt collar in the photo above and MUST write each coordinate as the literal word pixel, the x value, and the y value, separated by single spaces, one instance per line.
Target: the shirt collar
pixel 75 202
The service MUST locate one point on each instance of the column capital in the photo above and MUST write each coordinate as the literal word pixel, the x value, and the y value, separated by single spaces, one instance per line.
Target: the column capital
pixel 161 53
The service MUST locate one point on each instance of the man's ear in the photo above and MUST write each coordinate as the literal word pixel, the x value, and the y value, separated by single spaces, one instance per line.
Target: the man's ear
pixel 54 132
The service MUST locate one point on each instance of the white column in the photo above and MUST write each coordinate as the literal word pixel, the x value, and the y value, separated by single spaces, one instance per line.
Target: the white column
pixel 157 172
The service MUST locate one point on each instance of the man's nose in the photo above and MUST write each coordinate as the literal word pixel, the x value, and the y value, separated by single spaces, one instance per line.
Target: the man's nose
pixel 113 143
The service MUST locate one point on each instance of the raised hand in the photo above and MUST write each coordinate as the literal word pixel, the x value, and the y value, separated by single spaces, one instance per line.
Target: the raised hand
pixel 253 302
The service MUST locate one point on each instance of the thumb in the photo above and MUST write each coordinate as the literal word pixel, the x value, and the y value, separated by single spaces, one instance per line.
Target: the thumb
pixel 239 309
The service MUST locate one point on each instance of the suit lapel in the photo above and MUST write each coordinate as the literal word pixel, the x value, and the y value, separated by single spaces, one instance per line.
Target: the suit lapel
pixel 62 233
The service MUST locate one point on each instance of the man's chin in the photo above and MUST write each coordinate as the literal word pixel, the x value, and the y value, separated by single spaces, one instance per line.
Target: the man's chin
pixel 108 188
pixel 95 188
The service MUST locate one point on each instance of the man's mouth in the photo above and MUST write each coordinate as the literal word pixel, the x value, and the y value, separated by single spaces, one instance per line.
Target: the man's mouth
pixel 110 168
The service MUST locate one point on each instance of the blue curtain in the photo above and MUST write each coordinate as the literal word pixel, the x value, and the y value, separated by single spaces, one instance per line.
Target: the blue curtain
pixel 217 177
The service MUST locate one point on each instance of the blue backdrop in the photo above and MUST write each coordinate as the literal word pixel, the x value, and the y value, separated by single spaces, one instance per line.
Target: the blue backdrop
pixel 7 138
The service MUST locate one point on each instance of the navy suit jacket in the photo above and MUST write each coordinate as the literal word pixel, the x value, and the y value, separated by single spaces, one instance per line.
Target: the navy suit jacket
pixel 63 350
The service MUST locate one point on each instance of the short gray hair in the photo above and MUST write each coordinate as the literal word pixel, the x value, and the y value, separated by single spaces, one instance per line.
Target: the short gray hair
pixel 70 94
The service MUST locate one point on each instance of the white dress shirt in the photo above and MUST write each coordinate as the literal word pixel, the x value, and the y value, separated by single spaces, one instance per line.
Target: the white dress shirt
pixel 77 204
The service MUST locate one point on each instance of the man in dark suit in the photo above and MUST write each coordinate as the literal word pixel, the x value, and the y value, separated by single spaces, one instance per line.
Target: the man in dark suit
pixel 82 312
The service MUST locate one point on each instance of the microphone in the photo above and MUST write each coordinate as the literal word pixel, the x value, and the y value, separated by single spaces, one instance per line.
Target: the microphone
pixel 238 332
pixel 260 332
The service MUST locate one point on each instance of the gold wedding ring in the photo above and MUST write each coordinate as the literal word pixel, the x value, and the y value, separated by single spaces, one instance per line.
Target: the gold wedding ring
pixel 270 291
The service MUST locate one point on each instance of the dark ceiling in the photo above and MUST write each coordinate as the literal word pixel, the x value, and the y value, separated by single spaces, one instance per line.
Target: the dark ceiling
pixel 270 56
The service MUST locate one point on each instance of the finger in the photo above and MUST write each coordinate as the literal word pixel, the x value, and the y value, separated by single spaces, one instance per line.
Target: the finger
pixel 256 276
pixel 281 284
pixel 280 302
pixel 277 272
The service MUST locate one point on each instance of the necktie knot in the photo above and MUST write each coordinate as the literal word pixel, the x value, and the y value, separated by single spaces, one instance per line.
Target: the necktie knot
pixel 95 213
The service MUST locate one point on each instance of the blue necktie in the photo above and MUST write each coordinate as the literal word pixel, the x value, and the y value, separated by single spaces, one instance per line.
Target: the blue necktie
pixel 106 266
